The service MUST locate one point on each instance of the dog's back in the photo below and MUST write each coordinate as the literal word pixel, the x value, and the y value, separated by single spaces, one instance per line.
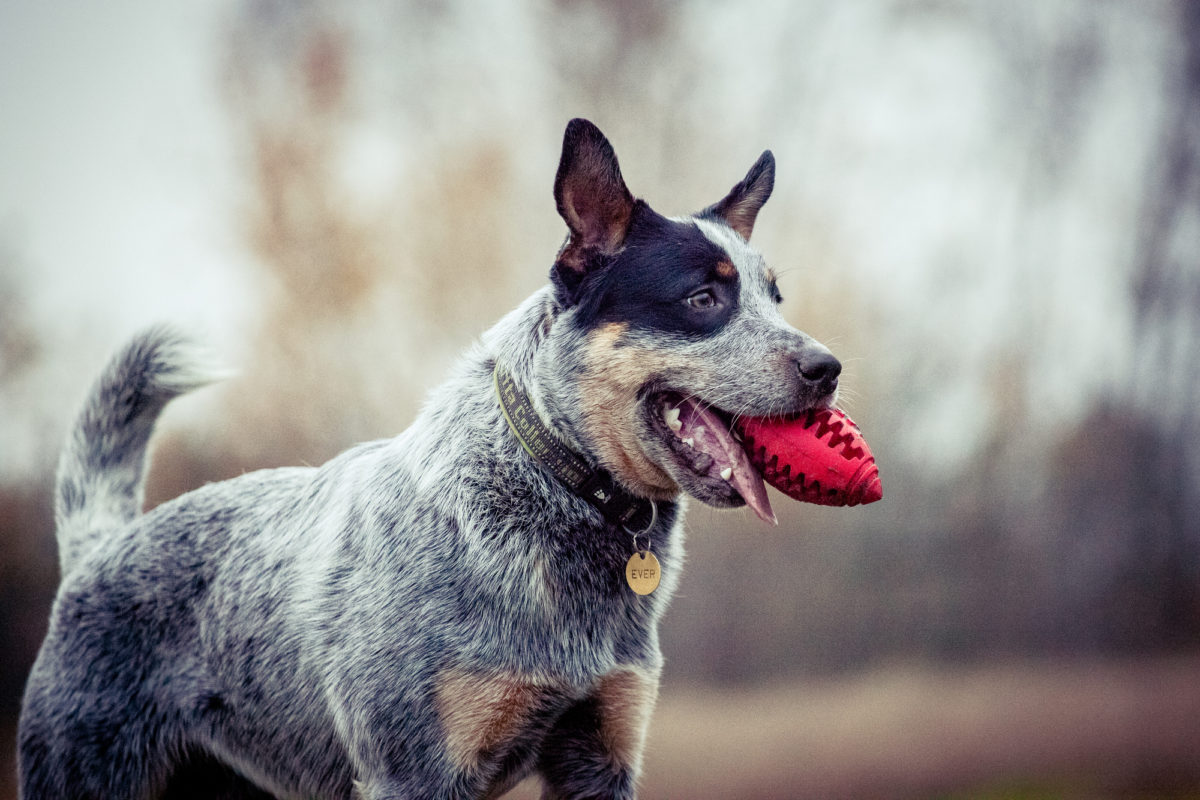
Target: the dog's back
pixel 153 609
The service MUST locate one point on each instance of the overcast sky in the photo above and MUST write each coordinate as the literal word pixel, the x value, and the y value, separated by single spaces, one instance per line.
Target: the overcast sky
pixel 115 169
pixel 116 176
pixel 907 143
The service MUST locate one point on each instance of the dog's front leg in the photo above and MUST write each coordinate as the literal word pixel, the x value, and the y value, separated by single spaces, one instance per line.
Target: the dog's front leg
pixel 595 749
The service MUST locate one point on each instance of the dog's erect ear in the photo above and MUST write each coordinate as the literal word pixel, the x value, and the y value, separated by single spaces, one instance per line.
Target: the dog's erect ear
pixel 740 207
pixel 592 199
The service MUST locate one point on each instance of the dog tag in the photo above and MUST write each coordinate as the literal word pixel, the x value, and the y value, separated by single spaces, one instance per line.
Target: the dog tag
pixel 642 572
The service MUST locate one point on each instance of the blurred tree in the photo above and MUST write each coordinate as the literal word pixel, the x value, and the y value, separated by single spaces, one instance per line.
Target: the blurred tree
pixel 1165 383
pixel 28 563
pixel 1166 290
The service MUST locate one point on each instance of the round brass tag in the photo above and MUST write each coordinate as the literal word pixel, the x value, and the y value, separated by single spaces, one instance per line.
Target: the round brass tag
pixel 642 572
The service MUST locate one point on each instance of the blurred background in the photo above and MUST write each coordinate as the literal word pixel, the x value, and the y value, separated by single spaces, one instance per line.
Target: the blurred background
pixel 990 211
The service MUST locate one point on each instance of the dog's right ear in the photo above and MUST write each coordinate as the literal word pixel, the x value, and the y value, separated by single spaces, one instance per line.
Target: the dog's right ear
pixel 592 199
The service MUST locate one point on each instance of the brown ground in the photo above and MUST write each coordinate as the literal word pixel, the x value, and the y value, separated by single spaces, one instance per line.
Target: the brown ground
pixel 1032 731
pixel 1029 731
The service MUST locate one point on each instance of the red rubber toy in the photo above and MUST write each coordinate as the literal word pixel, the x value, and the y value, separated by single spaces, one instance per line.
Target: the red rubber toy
pixel 818 457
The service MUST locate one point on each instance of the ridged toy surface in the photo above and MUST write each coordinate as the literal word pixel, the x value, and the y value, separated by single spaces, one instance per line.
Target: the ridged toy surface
pixel 818 457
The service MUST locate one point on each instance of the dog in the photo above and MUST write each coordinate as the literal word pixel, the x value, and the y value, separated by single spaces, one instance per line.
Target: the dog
pixel 443 613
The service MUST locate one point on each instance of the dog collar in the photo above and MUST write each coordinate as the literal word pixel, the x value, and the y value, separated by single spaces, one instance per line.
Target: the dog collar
pixel 597 486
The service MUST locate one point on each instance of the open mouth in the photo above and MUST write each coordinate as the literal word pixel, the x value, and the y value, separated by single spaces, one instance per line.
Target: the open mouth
pixel 701 440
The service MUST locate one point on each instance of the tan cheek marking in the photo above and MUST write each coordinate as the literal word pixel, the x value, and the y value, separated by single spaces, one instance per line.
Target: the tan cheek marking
pixel 480 712
pixel 608 387
pixel 625 699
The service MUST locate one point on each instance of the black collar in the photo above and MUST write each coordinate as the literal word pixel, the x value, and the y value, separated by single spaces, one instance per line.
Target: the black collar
pixel 597 486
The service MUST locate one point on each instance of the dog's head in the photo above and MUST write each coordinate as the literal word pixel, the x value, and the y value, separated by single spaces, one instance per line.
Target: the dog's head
pixel 669 330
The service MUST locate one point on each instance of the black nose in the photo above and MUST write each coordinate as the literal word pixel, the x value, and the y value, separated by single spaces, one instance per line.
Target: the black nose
pixel 820 368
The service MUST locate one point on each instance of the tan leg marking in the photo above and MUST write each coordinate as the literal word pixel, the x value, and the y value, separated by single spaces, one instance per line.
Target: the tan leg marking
pixel 482 712
pixel 625 699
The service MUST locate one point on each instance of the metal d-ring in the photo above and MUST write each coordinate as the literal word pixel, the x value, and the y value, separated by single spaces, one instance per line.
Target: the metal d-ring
pixel 645 530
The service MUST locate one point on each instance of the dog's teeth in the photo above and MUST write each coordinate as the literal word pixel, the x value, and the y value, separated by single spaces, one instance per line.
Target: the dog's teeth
pixel 672 418
pixel 690 441
pixel 727 473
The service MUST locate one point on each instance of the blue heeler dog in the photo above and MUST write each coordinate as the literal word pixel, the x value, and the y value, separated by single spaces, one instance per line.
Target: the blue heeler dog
pixel 439 614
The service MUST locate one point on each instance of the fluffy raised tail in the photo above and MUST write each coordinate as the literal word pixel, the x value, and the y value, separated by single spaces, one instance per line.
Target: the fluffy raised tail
pixel 102 469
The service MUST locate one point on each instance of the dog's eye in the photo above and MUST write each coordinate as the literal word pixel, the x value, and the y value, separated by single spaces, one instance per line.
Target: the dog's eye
pixel 702 299
pixel 775 295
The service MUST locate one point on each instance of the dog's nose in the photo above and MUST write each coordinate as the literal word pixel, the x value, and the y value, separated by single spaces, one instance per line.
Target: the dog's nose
pixel 821 368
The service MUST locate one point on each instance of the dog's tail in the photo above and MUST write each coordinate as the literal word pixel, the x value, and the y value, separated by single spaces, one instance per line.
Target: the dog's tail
pixel 101 472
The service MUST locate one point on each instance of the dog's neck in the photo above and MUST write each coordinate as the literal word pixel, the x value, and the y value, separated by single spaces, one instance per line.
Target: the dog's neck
pixel 595 485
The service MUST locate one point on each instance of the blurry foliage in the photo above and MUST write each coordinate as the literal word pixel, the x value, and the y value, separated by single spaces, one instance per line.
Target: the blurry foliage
pixel 1048 539
pixel 18 340
pixel 398 158
pixel 28 563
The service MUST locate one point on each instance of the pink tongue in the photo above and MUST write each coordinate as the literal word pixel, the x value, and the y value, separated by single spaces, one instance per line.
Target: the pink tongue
pixel 712 437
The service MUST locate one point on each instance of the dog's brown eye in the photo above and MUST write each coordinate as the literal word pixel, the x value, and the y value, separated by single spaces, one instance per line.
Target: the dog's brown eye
pixel 702 299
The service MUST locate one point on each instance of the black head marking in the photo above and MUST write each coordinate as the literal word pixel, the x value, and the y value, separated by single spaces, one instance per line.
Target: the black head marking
pixel 668 277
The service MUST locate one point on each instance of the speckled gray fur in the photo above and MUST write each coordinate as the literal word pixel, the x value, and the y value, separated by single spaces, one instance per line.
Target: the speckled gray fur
pixel 285 633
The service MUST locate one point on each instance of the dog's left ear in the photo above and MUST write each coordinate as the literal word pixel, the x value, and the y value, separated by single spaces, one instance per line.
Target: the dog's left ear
pixel 592 199
pixel 740 207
